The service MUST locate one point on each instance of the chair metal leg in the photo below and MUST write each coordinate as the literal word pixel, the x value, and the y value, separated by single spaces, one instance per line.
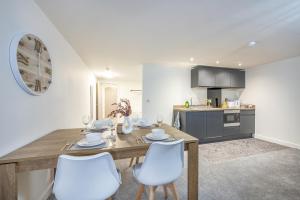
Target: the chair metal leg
pixel 152 193
pixel 140 192
pixel 174 191
pixel 165 191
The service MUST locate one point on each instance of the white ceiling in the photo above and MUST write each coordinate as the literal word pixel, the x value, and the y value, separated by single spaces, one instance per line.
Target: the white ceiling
pixel 126 34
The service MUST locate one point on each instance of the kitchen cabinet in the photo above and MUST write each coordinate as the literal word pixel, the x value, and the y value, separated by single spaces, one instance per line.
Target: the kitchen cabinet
pixel 237 79
pixel 194 77
pixel 205 77
pixel 208 126
pixel 196 124
pixel 215 77
pixel 222 78
pixel 214 124
pixel 247 120
pixel 229 131
pixel 193 123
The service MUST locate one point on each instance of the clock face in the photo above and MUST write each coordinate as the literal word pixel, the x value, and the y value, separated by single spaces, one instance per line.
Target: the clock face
pixel 31 64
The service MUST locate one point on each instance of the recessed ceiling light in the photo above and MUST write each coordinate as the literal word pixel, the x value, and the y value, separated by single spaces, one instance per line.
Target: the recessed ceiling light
pixel 192 59
pixel 240 64
pixel 252 43
pixel 108 74
pixel 217 62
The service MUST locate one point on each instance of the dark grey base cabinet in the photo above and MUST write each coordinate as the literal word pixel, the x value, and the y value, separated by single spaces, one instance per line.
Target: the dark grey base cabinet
pixel 247 119
pixel 214 124
pixel 196 124
pixel 208 126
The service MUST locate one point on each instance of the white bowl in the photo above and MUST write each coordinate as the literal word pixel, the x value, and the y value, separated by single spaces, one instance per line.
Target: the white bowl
pixel 92 137
pixel 157 132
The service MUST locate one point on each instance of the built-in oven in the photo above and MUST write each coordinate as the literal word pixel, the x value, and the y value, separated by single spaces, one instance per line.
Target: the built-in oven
pixel 231 118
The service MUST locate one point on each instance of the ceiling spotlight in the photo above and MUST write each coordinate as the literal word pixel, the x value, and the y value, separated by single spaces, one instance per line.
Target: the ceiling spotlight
pixel 252 43
pixel 192 59
pixel 108 74
pixel 240 64
pixel 217 62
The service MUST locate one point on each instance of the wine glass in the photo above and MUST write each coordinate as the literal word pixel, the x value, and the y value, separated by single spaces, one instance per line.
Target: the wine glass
pixel 135 121
pixel 112 135
pixel 159 120
pixel 86 119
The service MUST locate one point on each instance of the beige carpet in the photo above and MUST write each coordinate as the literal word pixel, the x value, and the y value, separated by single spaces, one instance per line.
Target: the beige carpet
pixel 247 169
pixel 221 151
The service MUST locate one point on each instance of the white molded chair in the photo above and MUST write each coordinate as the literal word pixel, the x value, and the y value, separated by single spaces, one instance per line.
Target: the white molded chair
pixel 163 165
pixel 86 177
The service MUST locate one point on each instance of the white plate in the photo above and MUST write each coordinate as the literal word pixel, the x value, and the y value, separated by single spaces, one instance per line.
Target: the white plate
pixel 144 124
pixel 85 143
pixel 161 137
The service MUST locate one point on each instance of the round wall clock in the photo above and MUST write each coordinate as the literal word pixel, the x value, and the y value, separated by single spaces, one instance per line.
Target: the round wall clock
pixel 30 63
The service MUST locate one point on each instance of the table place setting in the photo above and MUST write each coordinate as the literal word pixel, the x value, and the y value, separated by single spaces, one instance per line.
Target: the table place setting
pixel 156 135
pixel 90 140
pixel 143 124
pixel 93 141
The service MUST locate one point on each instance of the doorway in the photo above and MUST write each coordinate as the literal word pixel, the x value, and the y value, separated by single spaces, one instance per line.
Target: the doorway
pixel 107 95
pixel 110 97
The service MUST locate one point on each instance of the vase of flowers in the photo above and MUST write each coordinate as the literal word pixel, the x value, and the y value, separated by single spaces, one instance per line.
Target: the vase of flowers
pixel 123 108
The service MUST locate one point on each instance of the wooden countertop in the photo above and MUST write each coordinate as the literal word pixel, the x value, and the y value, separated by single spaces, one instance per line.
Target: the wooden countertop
pixel 205 108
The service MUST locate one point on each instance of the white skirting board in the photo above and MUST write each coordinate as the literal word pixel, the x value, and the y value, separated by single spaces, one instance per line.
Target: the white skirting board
pixel 277 141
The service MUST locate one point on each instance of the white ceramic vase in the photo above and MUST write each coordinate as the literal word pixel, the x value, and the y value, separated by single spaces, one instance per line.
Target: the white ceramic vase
pixel 127 126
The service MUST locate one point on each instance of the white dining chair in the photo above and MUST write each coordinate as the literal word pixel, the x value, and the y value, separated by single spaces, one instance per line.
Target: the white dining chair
pixel 163 164
pixel 86 177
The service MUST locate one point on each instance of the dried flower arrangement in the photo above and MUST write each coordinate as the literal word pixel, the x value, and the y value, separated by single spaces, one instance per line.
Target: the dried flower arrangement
pixel 123 108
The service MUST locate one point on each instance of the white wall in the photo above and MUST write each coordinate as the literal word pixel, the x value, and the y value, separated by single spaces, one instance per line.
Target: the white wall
pixel 165 86
pixel 124 91
pixel 25 118
pixel 274 89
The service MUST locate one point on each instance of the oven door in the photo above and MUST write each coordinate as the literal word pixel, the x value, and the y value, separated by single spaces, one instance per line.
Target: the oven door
pixel 231 118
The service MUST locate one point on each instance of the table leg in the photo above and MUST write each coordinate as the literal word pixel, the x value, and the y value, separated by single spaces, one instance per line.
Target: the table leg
pixel 193 171
pixel 8 182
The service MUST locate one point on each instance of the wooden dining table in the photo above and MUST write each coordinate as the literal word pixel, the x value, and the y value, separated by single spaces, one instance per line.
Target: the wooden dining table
pixel 44 152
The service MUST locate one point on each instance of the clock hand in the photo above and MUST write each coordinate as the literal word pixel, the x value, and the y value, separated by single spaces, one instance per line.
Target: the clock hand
pixel 39 65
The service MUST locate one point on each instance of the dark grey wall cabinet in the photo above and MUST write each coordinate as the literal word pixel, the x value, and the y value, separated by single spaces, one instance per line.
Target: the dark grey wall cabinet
pixel 214 77
pixel 237 79
pixel 206 77
pixel 247 120
pixel 194 77
pixel 214 124
pixel 222 78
